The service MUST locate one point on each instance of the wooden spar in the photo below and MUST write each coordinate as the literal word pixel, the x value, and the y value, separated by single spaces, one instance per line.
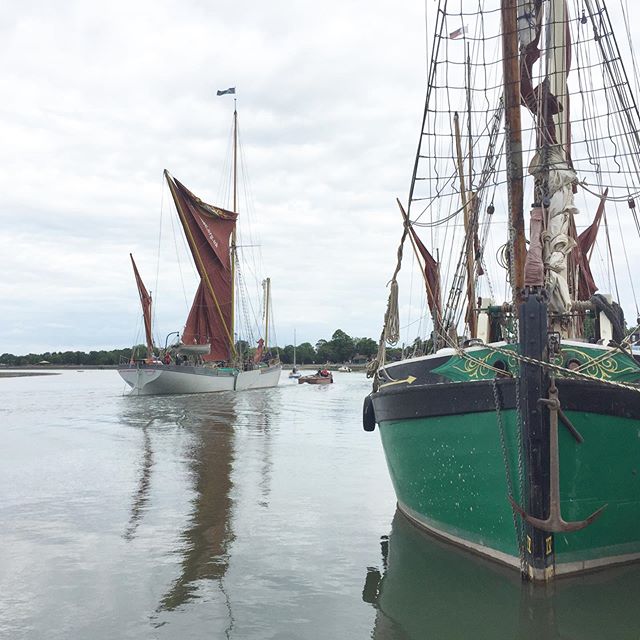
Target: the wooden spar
pixel 468 230
pixel 235 159
pixel 511 72
pixel 233 233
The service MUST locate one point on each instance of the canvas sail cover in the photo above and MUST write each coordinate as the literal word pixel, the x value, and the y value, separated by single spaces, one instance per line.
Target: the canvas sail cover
pixel 145 301
pixel 208 229
pixel 551 164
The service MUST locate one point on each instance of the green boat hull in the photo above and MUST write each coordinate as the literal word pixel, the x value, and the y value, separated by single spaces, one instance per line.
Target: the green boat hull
pixel 453 476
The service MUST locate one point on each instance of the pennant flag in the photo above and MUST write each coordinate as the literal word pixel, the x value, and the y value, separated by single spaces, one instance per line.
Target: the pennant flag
pixel 225 91
pixel 458 32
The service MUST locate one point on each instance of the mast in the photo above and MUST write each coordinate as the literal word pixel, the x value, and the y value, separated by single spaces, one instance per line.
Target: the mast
pixel 468 229
pixel 233 234
pixel 294 348
pixel 513 133
pixel 537 550
pixel 267 302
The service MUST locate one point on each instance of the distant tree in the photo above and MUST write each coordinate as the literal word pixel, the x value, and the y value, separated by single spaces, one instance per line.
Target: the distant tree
pixel 365 347
pixel 342 346
pixel 286 354
pixel 8 359
pixel 305 353
pixel 325 352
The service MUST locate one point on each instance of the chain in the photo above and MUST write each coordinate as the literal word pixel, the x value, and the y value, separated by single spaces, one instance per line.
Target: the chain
pixel 570 373
pixel 520 525
pixel 507 467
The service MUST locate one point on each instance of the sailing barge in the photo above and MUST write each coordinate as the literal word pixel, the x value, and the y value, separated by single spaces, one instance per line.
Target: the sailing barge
pixel 207 357
pixel 514 431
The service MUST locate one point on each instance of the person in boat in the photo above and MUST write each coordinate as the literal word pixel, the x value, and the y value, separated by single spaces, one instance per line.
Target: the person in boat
pixel 324 373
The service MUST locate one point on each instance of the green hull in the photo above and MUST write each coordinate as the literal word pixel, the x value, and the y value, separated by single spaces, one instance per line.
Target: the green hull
pixel 450 475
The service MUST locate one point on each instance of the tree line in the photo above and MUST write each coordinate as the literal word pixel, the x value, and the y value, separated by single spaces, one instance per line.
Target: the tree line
pixel 341 348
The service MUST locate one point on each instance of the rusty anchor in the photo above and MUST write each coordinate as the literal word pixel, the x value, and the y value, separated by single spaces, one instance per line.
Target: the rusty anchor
pixel 554 523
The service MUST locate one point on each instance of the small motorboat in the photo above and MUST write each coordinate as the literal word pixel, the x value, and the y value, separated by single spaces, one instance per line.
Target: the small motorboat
pixel 344 369
pixel 322 377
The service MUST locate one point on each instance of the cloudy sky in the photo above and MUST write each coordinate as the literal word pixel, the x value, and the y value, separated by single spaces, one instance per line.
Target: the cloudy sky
pixel 97 99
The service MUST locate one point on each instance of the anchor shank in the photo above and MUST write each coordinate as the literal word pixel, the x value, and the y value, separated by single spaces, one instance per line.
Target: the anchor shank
pixel 554 455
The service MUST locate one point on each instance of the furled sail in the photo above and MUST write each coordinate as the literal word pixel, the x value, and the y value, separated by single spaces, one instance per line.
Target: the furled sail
pixel 208 230
pixel 145 301
pixel 551 165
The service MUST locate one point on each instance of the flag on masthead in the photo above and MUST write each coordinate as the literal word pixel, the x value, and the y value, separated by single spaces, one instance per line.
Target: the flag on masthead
pixel 225 91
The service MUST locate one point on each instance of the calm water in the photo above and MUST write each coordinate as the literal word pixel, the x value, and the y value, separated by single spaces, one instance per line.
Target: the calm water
pixel 261 515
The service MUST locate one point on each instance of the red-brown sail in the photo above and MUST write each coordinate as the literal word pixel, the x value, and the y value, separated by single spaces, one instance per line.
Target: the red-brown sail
pixel 432 277
pixel 208 230
pixel 431 271
pixel 586 284
pixel 145 301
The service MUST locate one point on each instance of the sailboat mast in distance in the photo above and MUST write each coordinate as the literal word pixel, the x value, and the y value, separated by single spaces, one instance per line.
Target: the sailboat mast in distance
pixel 235 209
pixel 267 302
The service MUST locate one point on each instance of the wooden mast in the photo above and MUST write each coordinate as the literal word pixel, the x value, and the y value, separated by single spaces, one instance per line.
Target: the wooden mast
pixel 468 229
pixel 233 233
pixel 537 548
pixel 267 303
pixel 512 122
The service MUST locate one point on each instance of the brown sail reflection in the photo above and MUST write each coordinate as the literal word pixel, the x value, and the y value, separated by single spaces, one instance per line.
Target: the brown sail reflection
pixel 424 589
pixel 205 550
pixel 208 421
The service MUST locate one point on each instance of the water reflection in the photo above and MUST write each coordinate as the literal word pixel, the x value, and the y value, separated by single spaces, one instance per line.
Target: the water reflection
pixel 141 495
pixel 257 412
pixel 425 589
pixel 207 422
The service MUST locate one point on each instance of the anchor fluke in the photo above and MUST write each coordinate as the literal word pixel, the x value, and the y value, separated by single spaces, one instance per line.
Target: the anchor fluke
pixel 554 523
